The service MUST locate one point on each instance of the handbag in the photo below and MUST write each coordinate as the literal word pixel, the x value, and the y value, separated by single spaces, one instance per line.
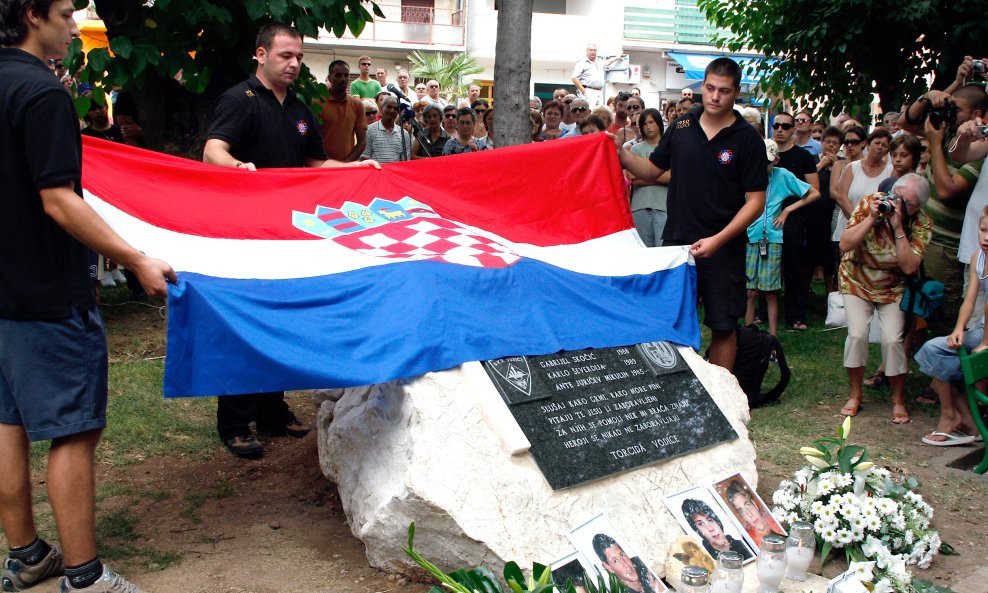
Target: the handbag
pixel 923 295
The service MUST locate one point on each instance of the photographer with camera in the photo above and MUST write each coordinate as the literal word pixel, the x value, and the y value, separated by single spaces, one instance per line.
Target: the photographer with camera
pixel 937 115
pixel 885 242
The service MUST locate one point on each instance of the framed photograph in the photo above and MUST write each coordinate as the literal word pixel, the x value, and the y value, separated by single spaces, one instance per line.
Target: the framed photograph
pixel 700 515
pixel 571 568
pixel 747 508
pixel 609 552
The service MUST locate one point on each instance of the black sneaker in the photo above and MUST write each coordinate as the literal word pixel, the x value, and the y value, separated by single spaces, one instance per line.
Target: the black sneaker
pixel 245 447
pixel 294 429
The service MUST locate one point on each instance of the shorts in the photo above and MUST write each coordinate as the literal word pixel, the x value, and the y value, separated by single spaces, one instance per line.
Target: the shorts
pixel 941 362
pixel 720 284
pixel 763 272
pixel 53 374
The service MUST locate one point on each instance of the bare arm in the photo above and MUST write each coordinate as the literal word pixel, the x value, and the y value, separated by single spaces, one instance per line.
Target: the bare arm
pixel 361 134
pixel 835 174
pixel 810 196
pixel 639 166
pixel 948 186
pixel 956 337
pixel 853 235
pixel 752 209
pixel 217 152
pixel 78 218
pixel 843 185
pixel 971 145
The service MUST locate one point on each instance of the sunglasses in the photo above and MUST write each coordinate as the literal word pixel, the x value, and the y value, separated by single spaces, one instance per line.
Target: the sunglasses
pixel 479 111
pixel 580 109
pixel 450 116
pixel 852 141
pixel 782 126
pixel 433 86
pixel 568 102
pixel 635 107
pixel 370 113
pixel 802 120
pixel 365 64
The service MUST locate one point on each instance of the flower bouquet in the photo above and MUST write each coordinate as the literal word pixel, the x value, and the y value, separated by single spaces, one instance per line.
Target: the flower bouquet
pixel 882 525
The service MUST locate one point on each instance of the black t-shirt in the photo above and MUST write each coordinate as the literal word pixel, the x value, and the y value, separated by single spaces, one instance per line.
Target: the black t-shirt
pixel 709 177
pixel 44 271
pixel 797 161
pixel 113 133
pixel 262 131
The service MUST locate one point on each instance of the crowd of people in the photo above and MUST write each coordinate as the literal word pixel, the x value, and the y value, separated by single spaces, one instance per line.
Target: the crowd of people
pixel 866 209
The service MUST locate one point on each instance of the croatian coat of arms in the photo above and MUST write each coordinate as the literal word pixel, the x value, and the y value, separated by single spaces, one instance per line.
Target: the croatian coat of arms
pixel 404 229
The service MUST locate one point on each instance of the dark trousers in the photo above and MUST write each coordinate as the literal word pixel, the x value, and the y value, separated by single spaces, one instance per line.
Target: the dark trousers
pixel 234 413
pixel 796 270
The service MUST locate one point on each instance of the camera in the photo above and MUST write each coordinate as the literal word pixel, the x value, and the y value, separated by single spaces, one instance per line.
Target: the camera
pixel 978 67
pixel 407 114
pixel 947 113
pixel 887 203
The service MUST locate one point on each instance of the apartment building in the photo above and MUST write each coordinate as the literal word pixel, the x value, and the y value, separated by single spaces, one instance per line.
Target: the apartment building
pixel 668 42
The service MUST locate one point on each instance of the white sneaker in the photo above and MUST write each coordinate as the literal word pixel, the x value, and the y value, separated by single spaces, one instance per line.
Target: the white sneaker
pixel 118 276
pixel 109 582
pixel 107 281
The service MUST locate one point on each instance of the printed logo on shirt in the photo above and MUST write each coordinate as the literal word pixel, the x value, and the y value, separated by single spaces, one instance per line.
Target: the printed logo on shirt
pixel 302 127
pixel 683 123
pixel 249 93
pixel 725 157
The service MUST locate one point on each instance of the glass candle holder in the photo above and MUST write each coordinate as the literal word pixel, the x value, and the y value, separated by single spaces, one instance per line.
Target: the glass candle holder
pixel 771 563
pixel 799 550
pixel 694 580
pixel 728 578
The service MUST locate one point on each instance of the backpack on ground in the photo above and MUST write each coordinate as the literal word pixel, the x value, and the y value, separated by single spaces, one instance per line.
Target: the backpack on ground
pixel 755 348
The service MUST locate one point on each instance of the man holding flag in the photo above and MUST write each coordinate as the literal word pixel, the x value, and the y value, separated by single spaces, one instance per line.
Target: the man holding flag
pixel 256 124
pixel 53 357
pixel 717 190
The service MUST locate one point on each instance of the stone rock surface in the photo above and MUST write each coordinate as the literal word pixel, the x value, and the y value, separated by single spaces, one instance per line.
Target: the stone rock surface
pixel 423 451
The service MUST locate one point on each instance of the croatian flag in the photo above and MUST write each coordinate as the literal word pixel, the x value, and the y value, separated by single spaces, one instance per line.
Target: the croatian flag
pixel 317 278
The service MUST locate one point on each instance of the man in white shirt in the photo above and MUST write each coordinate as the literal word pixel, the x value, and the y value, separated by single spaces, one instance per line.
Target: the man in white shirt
pixel 588 75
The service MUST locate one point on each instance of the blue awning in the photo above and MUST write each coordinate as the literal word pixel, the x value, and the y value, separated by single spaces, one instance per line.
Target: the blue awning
pixel 694 64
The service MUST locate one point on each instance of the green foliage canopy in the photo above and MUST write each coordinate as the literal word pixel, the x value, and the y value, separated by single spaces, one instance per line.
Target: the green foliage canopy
pixel 208 44
pixel 839 52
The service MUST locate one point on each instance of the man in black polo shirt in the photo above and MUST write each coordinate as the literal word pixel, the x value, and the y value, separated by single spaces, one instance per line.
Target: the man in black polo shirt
pixel 260 123
pixel 53 359
pixel 717 190
pixel 796 268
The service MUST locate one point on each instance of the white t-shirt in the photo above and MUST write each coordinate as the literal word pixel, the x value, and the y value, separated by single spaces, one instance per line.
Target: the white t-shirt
pixel 969 232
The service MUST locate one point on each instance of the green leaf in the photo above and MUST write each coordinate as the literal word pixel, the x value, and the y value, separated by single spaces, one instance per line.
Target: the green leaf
pixel 277 8
pixel 824 552
pixel 82 105
pixel 513 573
pixel 121 46
pixel 377 10
pixel 256 9
pixel 98 59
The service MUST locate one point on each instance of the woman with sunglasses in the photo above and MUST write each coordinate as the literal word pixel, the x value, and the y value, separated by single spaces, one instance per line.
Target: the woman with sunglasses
pixel 880 250
pixel 861 177
pixel 552 115
pixel 433 138
pixel 648 200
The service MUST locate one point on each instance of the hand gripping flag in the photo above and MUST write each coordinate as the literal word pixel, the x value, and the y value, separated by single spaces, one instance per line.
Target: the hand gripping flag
pixel 317 278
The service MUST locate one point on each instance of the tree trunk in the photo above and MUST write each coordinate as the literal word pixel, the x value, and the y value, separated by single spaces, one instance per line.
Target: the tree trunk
pixel 513 73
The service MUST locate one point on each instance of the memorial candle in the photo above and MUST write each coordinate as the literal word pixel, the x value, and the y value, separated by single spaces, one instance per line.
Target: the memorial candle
pixel 771 563
pixel 799 550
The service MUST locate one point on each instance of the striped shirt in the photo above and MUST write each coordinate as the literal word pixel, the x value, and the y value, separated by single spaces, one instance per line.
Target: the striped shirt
pixel 948 217
pixel 387 147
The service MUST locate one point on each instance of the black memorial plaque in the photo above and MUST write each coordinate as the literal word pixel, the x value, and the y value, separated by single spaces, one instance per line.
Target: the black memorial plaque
pixel 597 412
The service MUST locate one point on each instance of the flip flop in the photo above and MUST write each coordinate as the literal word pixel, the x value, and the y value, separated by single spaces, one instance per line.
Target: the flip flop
pixel 950 439
pixel 976 436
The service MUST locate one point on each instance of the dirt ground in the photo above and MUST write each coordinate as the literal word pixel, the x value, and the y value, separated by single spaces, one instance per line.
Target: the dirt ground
pixel 222 525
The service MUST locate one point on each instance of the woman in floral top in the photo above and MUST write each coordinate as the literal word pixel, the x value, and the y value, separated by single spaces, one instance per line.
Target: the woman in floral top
pixel 880 251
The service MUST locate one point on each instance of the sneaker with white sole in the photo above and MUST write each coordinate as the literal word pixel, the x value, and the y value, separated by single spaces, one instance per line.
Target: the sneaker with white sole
pixel 118 276
pixel 18 576
pixel 108 582
pixel 107 281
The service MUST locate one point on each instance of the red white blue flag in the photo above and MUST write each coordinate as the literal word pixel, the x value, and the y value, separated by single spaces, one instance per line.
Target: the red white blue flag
pixel 318 278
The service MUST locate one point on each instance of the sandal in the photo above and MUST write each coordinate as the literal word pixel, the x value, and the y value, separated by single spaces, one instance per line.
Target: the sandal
pixel 929 397
pixel 800 326
pixel 852 407
pixel 900 415
pixel 876 380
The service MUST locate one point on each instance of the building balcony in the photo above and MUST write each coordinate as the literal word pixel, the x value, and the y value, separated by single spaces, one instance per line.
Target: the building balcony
pixel 409 27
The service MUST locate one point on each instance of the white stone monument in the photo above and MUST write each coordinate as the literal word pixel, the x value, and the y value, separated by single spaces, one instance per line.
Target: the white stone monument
pixel 437 450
